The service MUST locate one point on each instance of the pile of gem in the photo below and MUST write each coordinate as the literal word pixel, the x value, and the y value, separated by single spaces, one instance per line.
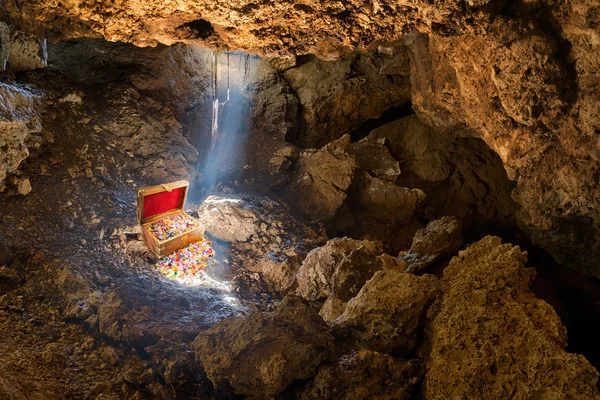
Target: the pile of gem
pixel 172 226
pixel 187 262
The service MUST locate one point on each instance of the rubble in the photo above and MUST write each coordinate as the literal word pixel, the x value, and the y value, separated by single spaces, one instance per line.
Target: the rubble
pixel 320 179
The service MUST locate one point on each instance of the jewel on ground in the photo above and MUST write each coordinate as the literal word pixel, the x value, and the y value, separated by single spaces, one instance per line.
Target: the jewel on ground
pixel 188 261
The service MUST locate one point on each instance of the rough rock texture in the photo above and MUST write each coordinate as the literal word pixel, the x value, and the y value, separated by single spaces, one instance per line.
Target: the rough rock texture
pixel 385 316
pixel 351 187
pixel 261 354
pixel 274 242
pixel 461 176
pixel 334 28
pixel 529 93
pixel 130 123
pixel 227 218
pixel 320 179
pixel 337 96
pixel 440 238
pixel 365 375
pixel 338 267
pixel 19 124
pixel 332 308
pixel 490 337
pixel 26 52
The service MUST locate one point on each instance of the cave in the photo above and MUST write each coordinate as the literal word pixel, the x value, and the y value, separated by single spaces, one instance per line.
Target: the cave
pixel 352 200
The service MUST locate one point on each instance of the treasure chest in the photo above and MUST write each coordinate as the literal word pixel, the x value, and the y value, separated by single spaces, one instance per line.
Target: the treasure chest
pixel 165 226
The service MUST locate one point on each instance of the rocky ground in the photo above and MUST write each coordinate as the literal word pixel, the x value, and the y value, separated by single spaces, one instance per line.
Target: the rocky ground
pixel 357 250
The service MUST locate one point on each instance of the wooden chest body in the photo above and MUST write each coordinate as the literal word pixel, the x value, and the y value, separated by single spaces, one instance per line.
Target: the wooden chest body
pixel 169 199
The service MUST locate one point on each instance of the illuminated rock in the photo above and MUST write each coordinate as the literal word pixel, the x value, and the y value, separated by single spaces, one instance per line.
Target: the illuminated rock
pixel 227 219
pixel 492 336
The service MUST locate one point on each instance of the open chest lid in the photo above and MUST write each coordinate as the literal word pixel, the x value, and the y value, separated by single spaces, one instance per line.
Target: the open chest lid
pixel 155 200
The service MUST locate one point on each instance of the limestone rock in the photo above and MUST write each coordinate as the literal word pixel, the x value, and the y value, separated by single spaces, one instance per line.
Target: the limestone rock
pixel 320 180
pixel 380 207
pixel 489 332
pixel 337 96
pixel 4 45
pixel 23 186
pixel 365 375
pixel 261 354
pixel 339 258
pixel 227 219
pixel 519 94
pixel 332 308
pixel 385 315
pixel 26 52
pixel 373 157
pixel 440 238
pixel 19 121
pixel 461 176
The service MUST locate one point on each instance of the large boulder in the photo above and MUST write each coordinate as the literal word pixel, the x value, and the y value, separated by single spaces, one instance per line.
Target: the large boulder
pixel 261 354
pixel 494 338
pixel 228 219
pixel 337 267
pixel 365 375
pixel 320 179
pixel 440 238
pixel 385 316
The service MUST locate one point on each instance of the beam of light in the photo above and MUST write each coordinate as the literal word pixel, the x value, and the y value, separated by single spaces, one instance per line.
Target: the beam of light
pixel 232 97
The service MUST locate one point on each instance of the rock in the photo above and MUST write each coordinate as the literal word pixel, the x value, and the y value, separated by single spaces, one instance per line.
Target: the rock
pixel 109 355
pixel 337 97
pixel 23 186
pixel 228 219
pixel 373 157
pixel 26 52
pixel 385 315
pixel 20 387
pixel 383 210
pixel 261 354
pixel 320 180
pixel 461 176
pixel 355 269
pixel 19 122
pixel 316 275
pixel 365 375
pixel 4 45
pixel 332 308
pixel 279 275
pixel 489 332
pixel 441 237
pixel 174 362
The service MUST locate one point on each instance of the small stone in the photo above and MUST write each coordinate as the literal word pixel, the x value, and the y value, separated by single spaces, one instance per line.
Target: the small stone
pixel 23 187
